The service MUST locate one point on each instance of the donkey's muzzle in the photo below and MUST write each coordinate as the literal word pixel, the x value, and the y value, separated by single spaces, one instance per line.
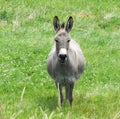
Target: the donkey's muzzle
pixel 62 55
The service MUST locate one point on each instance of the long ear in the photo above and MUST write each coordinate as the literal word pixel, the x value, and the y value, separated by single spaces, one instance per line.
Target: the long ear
pixel 56 24
pixel 69 24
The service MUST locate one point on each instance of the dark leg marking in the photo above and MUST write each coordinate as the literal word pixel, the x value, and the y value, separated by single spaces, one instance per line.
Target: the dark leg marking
pixel 71 93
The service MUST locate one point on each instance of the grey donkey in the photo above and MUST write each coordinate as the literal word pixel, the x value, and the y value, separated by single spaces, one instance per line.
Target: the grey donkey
pixel 65 62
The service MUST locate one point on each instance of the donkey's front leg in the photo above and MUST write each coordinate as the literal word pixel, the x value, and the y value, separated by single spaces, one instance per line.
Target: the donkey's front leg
pixel 60 100
pixel 67 89
pixel 71 93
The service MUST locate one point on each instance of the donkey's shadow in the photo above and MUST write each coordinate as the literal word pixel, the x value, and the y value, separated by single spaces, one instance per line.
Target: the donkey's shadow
pixel 48 102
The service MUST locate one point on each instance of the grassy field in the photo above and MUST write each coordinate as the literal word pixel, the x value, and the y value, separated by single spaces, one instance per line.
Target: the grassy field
pixel 26 37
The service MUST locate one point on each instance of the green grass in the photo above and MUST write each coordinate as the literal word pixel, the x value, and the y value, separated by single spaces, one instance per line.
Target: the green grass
pixel 26 37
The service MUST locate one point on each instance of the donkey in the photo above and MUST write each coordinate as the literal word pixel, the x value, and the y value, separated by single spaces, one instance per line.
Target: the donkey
pixel 65 62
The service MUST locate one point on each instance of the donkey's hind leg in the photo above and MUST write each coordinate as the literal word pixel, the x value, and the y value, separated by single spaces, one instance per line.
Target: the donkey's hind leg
pixel 67 89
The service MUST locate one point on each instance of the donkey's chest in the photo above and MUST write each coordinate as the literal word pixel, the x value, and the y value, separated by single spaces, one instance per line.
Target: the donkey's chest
pixel 64 73
pixel 64 69
pixel 64 77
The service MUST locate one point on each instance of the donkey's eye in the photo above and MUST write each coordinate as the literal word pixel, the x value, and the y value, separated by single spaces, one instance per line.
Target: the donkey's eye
pixel 56 40
pixel 68 40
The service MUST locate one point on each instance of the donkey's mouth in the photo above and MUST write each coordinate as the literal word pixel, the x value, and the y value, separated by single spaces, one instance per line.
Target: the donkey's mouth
pixel 62 61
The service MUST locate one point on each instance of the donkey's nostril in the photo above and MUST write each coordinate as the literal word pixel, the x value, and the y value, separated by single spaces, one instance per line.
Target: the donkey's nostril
pixel 62 56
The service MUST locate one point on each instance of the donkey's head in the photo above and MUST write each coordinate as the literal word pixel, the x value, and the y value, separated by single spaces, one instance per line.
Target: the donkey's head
pixel 62 38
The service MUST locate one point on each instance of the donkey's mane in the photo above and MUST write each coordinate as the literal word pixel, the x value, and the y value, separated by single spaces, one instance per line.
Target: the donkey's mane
pixel 63 25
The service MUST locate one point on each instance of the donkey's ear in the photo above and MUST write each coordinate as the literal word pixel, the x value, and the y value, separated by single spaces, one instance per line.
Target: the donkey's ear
pixel 69 24
pixel 56 24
